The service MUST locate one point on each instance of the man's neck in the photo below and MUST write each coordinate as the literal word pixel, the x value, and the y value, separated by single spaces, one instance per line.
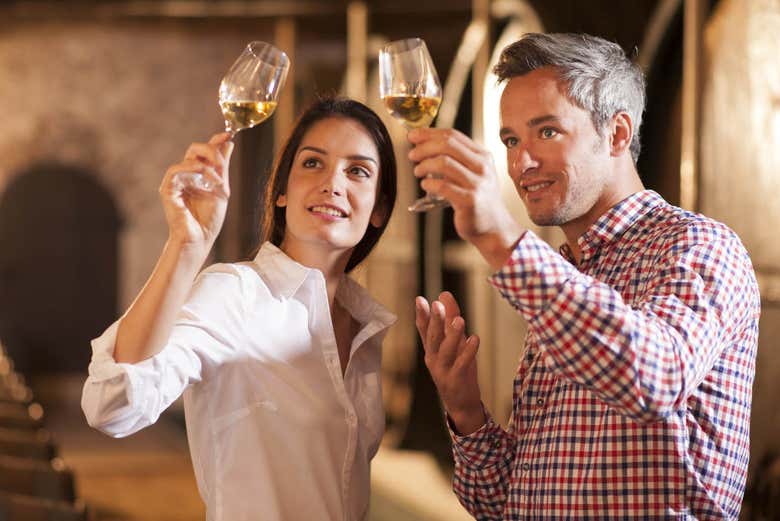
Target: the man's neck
pixel 626 184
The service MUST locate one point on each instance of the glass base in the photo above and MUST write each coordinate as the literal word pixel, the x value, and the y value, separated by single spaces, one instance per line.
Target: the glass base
pixel 194 180
pixel 429 202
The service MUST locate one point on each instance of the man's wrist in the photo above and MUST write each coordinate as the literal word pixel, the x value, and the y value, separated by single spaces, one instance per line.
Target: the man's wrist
pixel 496 248
pixel 469 421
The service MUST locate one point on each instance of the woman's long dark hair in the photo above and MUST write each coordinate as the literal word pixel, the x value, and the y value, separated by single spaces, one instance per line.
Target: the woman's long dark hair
pixel 273 221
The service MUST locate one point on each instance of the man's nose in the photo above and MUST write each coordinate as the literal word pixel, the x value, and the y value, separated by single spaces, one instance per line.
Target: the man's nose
pixel 522 161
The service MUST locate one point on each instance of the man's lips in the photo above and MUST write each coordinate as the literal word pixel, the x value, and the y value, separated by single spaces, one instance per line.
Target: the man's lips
pixel 532 187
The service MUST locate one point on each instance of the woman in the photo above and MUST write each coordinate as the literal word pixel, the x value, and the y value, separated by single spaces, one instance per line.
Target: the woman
pixel 278 358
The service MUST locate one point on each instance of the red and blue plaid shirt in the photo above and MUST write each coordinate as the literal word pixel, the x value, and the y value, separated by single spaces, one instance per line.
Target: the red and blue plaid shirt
pixel 632 399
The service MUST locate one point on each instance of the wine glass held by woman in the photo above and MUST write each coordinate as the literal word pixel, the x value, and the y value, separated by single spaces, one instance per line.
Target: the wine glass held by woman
pixel 277 358
pixel 248 94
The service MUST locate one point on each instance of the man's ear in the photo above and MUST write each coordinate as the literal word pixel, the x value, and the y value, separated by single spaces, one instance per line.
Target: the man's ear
pixel 281 201
pixel 379 214
pixel 621 133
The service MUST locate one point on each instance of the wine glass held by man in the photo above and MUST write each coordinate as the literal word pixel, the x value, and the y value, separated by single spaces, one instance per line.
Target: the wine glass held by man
pixel 277 358
pixel 411 92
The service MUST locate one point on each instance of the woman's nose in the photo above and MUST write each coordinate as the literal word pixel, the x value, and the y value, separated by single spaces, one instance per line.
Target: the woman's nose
pixel 331 184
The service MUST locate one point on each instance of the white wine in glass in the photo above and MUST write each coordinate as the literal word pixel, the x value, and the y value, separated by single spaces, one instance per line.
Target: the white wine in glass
pixel 413 111
pixel 243 114
pixel 410 89
pixel 247 94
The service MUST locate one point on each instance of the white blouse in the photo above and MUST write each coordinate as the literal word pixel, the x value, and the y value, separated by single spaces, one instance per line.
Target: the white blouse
pixel 275 431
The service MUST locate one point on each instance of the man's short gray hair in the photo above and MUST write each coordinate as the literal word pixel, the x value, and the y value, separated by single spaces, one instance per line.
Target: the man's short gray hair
pixel 599 76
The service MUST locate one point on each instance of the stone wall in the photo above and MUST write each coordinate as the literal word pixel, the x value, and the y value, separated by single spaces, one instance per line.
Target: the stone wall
pixel 120 99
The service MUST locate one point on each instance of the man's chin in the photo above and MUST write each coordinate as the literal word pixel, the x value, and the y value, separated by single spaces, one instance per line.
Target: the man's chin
pixel 546 219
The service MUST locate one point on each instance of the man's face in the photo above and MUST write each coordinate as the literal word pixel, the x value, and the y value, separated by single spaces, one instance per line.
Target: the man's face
pixel 558 162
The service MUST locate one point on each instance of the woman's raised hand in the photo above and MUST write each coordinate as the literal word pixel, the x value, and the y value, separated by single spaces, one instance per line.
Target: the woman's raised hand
pixel 195 215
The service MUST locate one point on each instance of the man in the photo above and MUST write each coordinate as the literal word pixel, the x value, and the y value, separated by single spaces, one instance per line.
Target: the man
pixel 632 399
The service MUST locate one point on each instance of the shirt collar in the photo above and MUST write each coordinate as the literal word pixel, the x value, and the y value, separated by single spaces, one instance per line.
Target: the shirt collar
pixel 282 274
pixel 284 277
pixel 614 222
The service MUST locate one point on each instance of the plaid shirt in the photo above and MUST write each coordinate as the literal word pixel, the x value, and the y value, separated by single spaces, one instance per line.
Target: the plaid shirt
pixel 632 399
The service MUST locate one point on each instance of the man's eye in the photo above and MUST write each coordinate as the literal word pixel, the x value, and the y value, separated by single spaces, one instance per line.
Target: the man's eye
pixel 549 132
pixel 510 142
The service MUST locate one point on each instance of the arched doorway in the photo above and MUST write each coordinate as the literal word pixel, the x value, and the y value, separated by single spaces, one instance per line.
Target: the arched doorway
pixel 58 267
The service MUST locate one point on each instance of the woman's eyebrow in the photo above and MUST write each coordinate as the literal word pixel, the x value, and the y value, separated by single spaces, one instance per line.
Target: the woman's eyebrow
pixel 354 157
pixel 362 158
pixel 314 149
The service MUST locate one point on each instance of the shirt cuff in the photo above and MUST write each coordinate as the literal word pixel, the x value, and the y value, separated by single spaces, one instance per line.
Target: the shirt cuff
pixel 104 370
pixel 532 276
pixel 481 449
pixel 103 366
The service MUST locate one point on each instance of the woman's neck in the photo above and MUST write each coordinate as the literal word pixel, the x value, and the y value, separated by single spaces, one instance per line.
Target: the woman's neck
pixel 331 263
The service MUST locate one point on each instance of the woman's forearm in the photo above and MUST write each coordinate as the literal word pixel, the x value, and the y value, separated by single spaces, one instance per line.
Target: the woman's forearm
pixel 145 328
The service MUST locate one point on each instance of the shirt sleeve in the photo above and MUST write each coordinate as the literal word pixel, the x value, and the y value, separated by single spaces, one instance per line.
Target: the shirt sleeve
pixel 643 359
pixel 483 465
pixel 120 399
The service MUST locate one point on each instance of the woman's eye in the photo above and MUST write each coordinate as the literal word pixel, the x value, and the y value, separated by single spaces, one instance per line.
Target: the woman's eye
pixel 310 162
pixel 359 171
pixel 549 132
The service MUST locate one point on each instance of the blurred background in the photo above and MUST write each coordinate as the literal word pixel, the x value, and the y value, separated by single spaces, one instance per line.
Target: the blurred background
pixel 99 97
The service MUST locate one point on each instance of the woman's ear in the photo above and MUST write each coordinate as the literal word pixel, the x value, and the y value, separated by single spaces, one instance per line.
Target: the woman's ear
pixel 379 214
pixel 281 201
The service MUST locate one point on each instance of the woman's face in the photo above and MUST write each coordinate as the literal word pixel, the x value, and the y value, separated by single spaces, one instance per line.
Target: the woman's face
pixel 332 188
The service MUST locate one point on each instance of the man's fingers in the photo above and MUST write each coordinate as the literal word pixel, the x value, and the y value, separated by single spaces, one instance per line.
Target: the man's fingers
pixel 467 354
pixel 430 150
pixel 422 312
pixel 445 167
pixel 459 198
pixel 443 135
pixel 453 336
pixel 435 332
pixel 451 308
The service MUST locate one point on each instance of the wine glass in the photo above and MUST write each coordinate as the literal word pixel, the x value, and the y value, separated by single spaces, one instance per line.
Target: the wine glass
pixel 248 94
pixel 411 92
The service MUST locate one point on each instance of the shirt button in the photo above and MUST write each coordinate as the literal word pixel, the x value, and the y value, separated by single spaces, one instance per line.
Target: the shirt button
pixel 526 467
pixel 540 401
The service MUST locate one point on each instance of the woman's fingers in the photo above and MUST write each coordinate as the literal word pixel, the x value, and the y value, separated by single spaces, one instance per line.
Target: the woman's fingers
pixel 195 176
pixel 216 152
pixel 203 152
